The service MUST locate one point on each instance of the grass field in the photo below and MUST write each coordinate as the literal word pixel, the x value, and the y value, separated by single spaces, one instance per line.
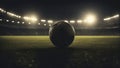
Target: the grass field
pixel 39 52
pixel 13 42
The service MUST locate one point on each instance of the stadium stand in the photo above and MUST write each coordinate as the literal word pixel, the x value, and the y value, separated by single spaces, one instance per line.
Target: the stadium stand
pixel 16 25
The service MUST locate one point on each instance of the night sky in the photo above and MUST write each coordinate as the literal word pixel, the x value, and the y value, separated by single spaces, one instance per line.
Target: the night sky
pixel 62 9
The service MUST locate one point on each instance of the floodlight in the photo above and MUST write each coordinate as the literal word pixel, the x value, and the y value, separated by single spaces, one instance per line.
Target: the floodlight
pixel 66 21
pixel 18 22
pixel 50 21
pixel 26 18
pixel 116 16
pixel 90 19
pixel 79 21
pixel 29 23
pixel 13 21
pixel 45 24
pixel 38 23
pixel 43 20
pixel 11 14
pixel 0 19
pixel 3 11
pixel 49 24
pixel 72 21
pixel 33 19
pixel 19 16
pixel 107 19
pixel 23 22
pixel 7 20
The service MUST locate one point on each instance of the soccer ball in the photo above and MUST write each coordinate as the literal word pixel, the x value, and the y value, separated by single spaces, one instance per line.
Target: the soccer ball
pixel 61 34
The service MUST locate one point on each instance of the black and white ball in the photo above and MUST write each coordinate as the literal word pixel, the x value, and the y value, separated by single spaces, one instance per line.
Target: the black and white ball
pixel 61 34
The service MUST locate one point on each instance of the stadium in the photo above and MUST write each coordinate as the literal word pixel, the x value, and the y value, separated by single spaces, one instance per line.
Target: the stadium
pixel 25 43
pixel 12 24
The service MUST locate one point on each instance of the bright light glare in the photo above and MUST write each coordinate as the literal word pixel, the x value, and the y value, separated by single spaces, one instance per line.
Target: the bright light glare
pixel 13 21
pixel 43 20
pixel 49 24
pixel 113 17
pixel 90 19
pixel 14 15
pixel 23 22
pixel 116 16
pixel 38 23
pixel 45 24
pixel 50 21
pixel 29 23
pixel 11 14
pixel 31 18
pixel 3 11
pixel 18 22
pixel 26 18
pixel 0 19
pixel 72 21
pixel 19 16
pixel 79 21
pixel 7 20
pixel 66 21
pixel 107 19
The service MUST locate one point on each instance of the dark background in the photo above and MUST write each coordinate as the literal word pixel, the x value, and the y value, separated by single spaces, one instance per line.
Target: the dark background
pixel 62 9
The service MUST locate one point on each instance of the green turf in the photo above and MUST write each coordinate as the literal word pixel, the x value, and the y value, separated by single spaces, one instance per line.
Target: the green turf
pixel 13 42
pixel 39 52
pixel 96 41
